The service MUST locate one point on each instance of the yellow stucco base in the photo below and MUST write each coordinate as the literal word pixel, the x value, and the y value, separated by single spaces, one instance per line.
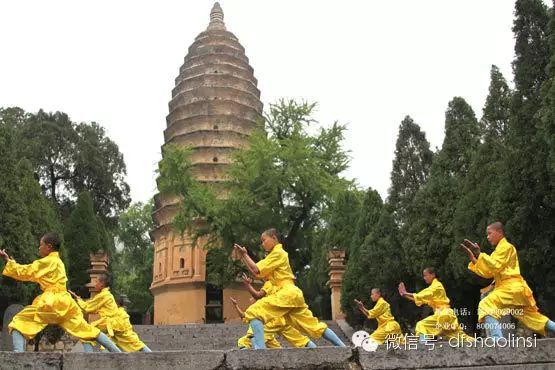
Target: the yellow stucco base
pixel 177 304
pixel 237 291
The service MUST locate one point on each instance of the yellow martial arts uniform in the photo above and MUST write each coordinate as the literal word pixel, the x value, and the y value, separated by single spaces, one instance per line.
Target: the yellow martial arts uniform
pixel 511 294
pixel 114 321
pixel 269 339
pixel 276 326
pixel 443 322
pixel 54 306
pixel 287 300
pixel 386 322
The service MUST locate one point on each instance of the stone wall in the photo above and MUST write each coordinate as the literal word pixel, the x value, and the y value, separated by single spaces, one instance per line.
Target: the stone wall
pixel 65 344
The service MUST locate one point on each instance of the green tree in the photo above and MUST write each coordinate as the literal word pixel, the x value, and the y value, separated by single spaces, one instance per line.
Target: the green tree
pixel 100 169
pixel 15 227
pixel 133 262
pixel 548 101
pixel 531 49
pixel 411 167
pixel 337 231
pixel 13 117
pixel 25 214
pixel 50 141
pixel 42 213
pixel 526 201
pixel 355 282
pixel 379 259
pixel 283 179
pixel 343 219
pixel 83 236
pixel 430 237
pixel 70 158
pixel 477 205
pixel 367 218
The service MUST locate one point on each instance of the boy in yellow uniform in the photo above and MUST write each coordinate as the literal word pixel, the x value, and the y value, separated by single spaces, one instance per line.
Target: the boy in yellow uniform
pixel 511 294
pixel 245 342
pixel 443 322
pixel 127 338
pixel 113 320
pixel 54 306
pixel 387 326
pixel 276 326
pixel 287 300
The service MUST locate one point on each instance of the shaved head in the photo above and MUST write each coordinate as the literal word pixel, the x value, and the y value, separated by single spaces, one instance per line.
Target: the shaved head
pixel 495 233
pixel 429 274
pixel 497 226
pixel 105 279
pixel 376 294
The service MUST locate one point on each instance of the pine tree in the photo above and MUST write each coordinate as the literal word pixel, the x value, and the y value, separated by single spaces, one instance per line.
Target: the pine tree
pixel 16 234
pixel 343 219
pixel 411 167
pixel 548 101
pixel 526 201
pixel 42 212
pixel 367 218
pixel 481 186
pixel 83 236
pixel 354 285
pixel 338 231
pixel 379 259
pixel 430 236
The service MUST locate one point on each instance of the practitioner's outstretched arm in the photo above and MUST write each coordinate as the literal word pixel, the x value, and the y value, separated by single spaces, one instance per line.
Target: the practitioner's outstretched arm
pixel 471 249
pixel 237 308
pixel 30 272
pixel 403 292
pixel 361 307
pixel 498 260
pixel 78 299
pixel 91 305
pixel 376 311
pixel 251 265
pixel 256 294
pixel 4 255
pixel 474 247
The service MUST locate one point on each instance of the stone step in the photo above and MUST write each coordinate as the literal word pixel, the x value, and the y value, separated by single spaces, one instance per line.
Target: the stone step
pixel 207 336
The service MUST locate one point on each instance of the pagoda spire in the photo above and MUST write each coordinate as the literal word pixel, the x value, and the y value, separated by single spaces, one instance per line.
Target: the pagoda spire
pixel 216 18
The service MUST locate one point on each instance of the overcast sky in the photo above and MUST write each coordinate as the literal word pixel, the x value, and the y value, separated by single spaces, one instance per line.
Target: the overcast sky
pixel 367 64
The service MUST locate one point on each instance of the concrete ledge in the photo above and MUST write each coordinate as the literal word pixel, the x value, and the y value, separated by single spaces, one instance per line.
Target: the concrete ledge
pixel 548 366
pixel 291 358
pixel 30 360
pixel 540 357
pixel 448 357
pixel 188 360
